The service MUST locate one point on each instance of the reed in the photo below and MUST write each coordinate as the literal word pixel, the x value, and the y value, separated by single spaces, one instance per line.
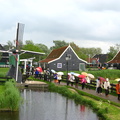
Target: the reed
pixel 10 98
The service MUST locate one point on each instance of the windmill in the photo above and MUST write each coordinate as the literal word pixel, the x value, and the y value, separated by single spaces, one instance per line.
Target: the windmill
pixel 14 54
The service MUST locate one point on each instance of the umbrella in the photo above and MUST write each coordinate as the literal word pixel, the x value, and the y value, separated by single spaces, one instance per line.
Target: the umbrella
pixel 72 73
pixel 53 71
pixel 118 79
pixel 81 76
pixel 60 73
pixel 69 73
pixel 76 74
pixel 91 76
pixel 102 79
pixel 39 69
pixel 84 73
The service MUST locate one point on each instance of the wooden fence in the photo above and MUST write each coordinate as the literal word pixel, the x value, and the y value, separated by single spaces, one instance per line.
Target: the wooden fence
pixel 64 79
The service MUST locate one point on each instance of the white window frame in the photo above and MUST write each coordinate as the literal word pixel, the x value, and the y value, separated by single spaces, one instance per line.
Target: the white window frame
pixel 59 65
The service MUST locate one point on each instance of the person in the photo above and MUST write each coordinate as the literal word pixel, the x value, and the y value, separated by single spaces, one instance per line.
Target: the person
pixel 55 78
pixel 99 86
pixel 71 79
pixel 107 86
pixel 118 89
pixel 32 70
pixel 76 81
pixel 83 81
pixel 36 73
pixel 59 78
pixel 88 81
pixel 45 75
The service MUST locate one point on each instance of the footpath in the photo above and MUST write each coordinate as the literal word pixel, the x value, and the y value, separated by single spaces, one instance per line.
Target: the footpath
pixel 93 92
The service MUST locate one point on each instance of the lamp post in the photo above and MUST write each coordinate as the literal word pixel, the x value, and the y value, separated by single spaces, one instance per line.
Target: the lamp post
pixel 68 57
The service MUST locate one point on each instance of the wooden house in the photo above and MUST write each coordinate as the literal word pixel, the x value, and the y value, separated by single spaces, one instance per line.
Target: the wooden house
pixel 62 59
pixel 101 58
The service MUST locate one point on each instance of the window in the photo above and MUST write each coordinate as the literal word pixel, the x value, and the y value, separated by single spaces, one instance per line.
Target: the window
pixel 59 65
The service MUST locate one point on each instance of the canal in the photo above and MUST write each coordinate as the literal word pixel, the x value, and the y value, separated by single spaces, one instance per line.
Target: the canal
pixel 45 105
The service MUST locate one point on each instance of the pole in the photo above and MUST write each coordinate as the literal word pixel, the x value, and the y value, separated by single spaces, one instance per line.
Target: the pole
pixel 67 73
pixel 17 58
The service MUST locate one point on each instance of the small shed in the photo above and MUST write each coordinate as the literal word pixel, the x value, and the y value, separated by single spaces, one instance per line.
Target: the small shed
pixel 57 61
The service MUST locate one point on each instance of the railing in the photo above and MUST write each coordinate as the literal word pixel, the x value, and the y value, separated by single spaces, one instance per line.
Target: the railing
pixel 4 66
pixel 4 79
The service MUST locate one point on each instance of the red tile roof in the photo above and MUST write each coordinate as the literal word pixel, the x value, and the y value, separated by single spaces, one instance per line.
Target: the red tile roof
pixel 54 54
pixel 116 59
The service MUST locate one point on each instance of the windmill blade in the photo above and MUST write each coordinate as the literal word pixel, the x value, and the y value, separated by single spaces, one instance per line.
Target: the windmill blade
pixel 4 51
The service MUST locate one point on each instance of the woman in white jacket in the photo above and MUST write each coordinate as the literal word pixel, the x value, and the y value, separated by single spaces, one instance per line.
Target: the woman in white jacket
pixel 107 86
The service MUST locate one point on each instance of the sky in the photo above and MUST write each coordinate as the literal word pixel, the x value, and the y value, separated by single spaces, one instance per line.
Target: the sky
pixel 87 23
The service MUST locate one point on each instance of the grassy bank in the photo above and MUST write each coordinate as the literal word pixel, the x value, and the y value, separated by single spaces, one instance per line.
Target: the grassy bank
pixel 111 74
pixel 104 108
pixel 9 97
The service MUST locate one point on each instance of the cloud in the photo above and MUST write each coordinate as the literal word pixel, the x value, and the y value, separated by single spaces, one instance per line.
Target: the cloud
pixel 80 21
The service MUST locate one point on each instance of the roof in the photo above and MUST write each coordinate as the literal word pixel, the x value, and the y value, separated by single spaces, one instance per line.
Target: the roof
pixel 116 58
pixel 56 53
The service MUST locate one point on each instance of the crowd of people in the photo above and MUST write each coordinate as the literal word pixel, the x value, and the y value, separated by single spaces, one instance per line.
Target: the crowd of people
pixel 72 79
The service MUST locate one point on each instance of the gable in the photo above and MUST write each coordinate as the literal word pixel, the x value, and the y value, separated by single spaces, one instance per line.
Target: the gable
pixel 56 54
pixel 116 58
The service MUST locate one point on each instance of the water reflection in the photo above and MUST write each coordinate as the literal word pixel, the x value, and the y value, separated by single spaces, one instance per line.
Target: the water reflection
pixel 49 106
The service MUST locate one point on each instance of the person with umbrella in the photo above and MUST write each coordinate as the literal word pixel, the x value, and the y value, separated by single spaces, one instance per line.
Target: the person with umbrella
pixel 71 79
pixel 82 80
pixel 99 85
pixel 107 86
pixel 88 79
pixel 118 89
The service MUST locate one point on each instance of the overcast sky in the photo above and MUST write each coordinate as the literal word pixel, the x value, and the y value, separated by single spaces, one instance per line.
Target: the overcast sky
pixel 87 23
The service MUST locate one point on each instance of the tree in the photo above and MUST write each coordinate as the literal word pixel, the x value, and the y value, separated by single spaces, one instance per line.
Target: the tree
pixel 10 44
pixel 58 44
pixel 113 51
pixel 29 42
pixel 84 53
pixel 45 49
pixel 31 47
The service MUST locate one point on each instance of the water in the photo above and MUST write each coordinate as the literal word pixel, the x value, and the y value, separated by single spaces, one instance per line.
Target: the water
pixel 41 105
